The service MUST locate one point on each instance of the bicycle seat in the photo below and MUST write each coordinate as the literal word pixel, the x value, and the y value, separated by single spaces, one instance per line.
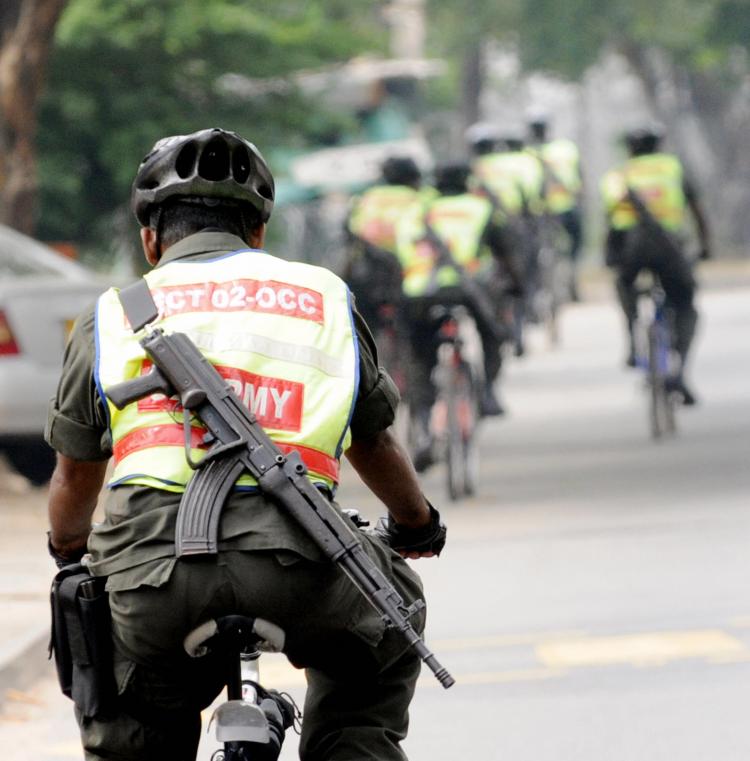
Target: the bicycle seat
pixel 234 632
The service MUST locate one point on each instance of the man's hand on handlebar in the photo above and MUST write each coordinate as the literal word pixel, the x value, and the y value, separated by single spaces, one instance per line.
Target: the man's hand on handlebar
pixel 423 542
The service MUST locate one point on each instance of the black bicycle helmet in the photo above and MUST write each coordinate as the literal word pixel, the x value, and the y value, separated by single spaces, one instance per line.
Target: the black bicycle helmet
pixel 644 138
pixel 482 138
pixel 452 177
pixel 401 170
pixel 212 163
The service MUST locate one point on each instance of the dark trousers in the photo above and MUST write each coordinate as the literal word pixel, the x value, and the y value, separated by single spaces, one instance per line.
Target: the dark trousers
pixel 571 222
pixel 639 251
pixel 361 677
pixel 421 327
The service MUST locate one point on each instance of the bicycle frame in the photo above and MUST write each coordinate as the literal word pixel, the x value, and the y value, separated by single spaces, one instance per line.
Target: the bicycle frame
pixel 455 413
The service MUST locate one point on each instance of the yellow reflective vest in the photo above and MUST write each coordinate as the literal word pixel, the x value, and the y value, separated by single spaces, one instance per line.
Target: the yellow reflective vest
pixel 561 164
pixel 280 333
pixel 658 180
pixel 459 221
pixel 515 178
pixel 378 210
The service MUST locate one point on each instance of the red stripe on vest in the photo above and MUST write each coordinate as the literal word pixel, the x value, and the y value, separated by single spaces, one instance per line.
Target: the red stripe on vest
pixel 172 435
pixel 244 295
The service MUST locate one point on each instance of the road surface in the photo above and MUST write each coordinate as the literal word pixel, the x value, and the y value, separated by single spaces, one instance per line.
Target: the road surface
pixel 593 599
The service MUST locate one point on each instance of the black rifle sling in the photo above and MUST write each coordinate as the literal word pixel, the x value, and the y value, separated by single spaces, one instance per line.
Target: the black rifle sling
pixel 197 527
pixel 650 223
pixel 138 305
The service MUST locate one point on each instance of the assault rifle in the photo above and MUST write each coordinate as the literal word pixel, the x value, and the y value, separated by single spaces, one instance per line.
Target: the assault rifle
pixel 236 444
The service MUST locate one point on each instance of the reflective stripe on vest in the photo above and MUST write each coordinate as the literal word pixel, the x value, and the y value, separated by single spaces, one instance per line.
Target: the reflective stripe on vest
pixel 658 179
pixel 280 333
pixel 459 221
pixel 563 178
pixel 377 212
pixel 514 177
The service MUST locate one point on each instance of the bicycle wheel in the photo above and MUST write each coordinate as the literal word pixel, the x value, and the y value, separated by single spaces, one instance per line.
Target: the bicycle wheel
pixel 547 298
pixel 461 451
pixel 661 400
pixel 392 354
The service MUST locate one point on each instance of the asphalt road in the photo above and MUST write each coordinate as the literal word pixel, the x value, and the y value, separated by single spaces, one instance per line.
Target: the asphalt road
pixel 593 599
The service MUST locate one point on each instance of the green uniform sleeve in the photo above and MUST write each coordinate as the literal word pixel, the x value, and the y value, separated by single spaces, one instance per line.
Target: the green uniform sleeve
pixel 76 422
pixel 378 398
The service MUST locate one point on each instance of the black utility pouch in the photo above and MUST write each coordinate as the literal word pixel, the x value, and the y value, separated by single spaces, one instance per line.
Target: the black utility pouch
pixel 82 639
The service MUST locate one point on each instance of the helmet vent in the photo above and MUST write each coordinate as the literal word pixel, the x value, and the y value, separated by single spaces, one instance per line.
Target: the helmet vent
pixel 214 162
pixel 265 191
pixel 185 163
pixel 241 165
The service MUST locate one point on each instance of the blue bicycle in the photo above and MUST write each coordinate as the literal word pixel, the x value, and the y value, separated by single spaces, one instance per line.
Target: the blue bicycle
pixel 656 356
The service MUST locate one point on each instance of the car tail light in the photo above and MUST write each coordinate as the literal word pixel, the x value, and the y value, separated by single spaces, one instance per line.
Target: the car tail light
pixel 8 343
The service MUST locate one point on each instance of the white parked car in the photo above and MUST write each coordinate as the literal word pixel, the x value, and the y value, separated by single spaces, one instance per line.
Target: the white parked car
pixel 41 294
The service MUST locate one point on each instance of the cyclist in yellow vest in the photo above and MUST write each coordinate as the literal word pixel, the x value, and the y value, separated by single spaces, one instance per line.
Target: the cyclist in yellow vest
pixel 658 180
pixel 286 338
pixel 372 270
pixel 513 180
pixel 563 184
pixel 477 248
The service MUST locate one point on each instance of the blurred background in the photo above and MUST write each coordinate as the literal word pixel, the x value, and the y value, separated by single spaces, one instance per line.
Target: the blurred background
pixel 593 597
pixel 88 86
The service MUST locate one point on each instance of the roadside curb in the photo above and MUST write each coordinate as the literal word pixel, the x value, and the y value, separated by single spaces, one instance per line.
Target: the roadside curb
pixel 23 664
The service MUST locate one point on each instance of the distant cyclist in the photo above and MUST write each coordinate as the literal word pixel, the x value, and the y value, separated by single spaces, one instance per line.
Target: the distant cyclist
pixel 658 182
pixel 502 168
pixel 450 254
pixel 563 183
pixel 372 270
pixel 513 179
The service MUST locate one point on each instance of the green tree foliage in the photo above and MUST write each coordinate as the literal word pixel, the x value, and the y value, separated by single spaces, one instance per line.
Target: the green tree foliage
pixel 568 37
pixel 126 72
pixel 692 57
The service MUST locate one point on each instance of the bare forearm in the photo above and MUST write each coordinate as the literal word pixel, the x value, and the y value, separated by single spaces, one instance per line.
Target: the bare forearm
pixel 73 494
pixel 387 471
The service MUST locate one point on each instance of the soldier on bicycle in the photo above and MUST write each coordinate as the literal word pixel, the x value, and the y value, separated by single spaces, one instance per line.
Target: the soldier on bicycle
pixel 453 252
pixel 665 195
pixel 286 336
pixel 513 180
pixel 372 270
pixel 563 184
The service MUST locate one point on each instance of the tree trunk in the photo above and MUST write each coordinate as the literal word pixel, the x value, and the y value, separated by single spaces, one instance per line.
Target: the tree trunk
pixel 472 80
pixel 26 32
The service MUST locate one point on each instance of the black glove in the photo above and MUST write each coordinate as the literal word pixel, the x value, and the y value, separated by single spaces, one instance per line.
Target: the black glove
pixel 429 538
pixel 60 560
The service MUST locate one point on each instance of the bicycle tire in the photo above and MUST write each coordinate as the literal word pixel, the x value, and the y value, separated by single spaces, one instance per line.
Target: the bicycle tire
pixel 661 401
pixel 461 452
pixel 548 300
